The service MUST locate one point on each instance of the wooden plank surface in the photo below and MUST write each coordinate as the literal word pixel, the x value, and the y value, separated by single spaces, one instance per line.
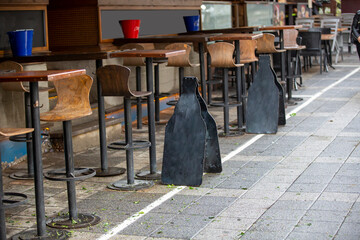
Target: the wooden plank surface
pixel 163 39
pixel 327 36
pixel 36 76
pixel 148 53
pixel 236 36
pixel 280 27
pixel 246 29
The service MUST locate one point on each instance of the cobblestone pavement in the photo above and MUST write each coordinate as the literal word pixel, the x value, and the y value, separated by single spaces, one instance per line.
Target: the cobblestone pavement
pixel 301 183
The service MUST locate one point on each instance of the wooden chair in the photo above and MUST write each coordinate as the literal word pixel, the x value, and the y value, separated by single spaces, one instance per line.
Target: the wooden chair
pixel 305 22
pixel 346 22
pixel 221 54
pixel 293 51
pixel 181 62
pixel 115 82
pixel 15 199
pixel 72 103
pixel 336 46
pixel 20 87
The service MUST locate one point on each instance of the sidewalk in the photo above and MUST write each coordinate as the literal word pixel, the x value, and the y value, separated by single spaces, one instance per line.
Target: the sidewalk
pixel 301 183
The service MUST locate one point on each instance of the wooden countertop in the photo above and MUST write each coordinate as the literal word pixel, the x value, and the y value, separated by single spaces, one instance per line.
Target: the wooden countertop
pixel 147 53
pixel 36 76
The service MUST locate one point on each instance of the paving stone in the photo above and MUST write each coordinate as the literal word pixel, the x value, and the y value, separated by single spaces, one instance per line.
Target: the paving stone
pixel 349 228
pixel 256 235
pixel 255 194
pixel 314 179
pixel 244 213
pixel 339 197
pixel 280 214
pixel 268 225
pixel 221 234
pixel 347 237
pixel 307 187
pixel 235 223
pixel 171 231
pixel 331 206
pixel 212 200
pixel 345 188
pixel 324 216
pixel 320 169
pixel 309 236
pixel 353 217
pixel 329 228
pixel 139 229
pixel 292 205
pixel 300 196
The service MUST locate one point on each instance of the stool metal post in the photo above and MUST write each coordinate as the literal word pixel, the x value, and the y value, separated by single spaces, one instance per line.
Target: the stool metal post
pixel 129 142
pixel 157 92
pixel 138 100
pixel 38 168
pixel 239 86
pixel 29 144
pixel 209 76
pixel 152 174
pixel 69 164
pixel 181 76
pixel 202 70
pixel 226 100
pixel 2 210
pixel 104 170
pixel 282 55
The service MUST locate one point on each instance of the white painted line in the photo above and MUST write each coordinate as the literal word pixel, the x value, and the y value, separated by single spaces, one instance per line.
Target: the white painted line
pixel 177 189
pixel 352 66
pixel 302 96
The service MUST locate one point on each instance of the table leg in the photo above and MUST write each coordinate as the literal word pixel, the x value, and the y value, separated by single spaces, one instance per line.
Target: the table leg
pixel 202 70
pixel 104 171
pixel 41 231
pixel 152 174
pixel 239 84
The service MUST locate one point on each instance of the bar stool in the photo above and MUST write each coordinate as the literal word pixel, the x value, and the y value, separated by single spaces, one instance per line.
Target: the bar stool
pixel 137 62
pixel 72 103
pixel 293 52
pixel 181 62
pixel 20 87
pixel 221 54
pixel 115 82
pixel 12 199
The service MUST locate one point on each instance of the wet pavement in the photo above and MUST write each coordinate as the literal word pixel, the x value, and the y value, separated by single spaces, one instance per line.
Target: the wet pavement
pixel 301 183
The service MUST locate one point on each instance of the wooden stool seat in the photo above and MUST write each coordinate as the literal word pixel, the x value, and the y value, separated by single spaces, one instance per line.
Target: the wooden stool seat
pixel 222 55
pixel 290 43
pixel 8 132
pixel 73 100
pixel 247 51
pixel 265 45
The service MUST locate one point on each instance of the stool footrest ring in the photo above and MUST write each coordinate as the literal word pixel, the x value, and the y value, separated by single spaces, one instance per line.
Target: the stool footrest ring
pixel 18 199
pixel 23 138
pixel 64 222
pixel 79 174
pixel 122 145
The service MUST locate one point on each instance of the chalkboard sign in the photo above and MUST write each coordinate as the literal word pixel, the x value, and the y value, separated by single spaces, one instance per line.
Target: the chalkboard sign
pixel 152 21
pixel 11 20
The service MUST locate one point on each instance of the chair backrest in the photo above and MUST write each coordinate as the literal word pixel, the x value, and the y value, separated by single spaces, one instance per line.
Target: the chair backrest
pixel 346 19
pixel 221 54
pixel 181 60
pixel 312 40
pixel 135 61
pixel 290 36
pixel 266 44
pixel 332 23
pixel 73 95
pixel 247 50
pixel 12 86
pixel 305 22
pixel 114 81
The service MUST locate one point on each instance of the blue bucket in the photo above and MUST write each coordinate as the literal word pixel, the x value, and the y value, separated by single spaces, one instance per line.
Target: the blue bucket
pixel 21 42
pixel 192 23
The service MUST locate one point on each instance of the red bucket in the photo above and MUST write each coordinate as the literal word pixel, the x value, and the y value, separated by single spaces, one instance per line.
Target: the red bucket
pixel 130 28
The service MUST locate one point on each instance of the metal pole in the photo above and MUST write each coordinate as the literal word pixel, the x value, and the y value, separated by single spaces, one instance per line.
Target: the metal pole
pixel 38 168
pixel 129 142
pixel 202 70
pixel 29 144
pixel 138 100
pixel 102 129
pixel 157 93
pixel 2 210
pixel 151 113
pixel 239 80
pixel 69 162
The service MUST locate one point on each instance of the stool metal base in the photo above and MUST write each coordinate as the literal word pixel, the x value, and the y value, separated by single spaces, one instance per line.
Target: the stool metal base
pixel 146 175
pixel 232 133
pixel 122 145
pixel 79 174
pixel 13 199
pixel 172 102
pixel 109 172
pixel 21 176
pixel 50 235
pixel 64 222
pixel 123 185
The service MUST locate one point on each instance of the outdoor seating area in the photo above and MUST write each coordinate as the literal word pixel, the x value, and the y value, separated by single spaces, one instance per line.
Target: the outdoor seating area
pixel 255 138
